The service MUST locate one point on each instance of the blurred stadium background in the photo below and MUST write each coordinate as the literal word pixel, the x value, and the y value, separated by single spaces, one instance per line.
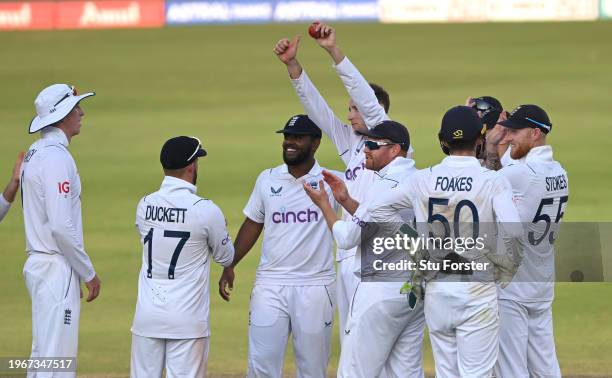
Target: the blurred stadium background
pixel 223 84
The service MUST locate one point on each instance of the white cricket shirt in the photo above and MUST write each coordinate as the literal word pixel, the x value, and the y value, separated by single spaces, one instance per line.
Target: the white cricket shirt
pixel 347 233
pixel 458 184
pixel 180 232
pixel 540 189
pixel 349 144
pixel 51 194
pixel 297 246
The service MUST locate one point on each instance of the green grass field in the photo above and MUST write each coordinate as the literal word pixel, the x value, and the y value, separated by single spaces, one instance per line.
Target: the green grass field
pixel 224 84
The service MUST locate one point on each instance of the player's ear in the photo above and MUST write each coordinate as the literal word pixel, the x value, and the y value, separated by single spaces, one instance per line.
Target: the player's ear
pixel 444 146
pixel 315 143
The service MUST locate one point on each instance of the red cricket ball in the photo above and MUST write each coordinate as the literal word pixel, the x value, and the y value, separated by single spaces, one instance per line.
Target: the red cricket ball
pixel 313 31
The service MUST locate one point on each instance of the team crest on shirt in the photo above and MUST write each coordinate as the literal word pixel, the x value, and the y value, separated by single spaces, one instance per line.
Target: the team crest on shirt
pixel 67 316
pixel 275 192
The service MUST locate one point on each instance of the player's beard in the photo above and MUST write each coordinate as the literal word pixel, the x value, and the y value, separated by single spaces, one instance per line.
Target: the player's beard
pixel 518 151
pixel 195 177
pixel 297 159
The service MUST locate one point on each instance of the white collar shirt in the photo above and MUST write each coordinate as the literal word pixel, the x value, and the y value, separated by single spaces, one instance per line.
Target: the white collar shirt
pixel 297 246
pixel 51 193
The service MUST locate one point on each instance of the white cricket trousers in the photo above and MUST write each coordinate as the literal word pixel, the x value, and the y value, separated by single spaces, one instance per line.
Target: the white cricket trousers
pixel 463 323
pixel 56 307
pixel 526 340
pixel 182 358
pixel 383 337
pixel 305 312
pixel 346 283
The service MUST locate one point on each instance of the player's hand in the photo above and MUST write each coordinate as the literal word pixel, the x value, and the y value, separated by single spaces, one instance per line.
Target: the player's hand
pixel 494 138
pixel 17 167
pixel 327 34
pixel 469 102
pixel 318 196
pixel 286 50
pixel 226 282
pixel 338 187
pixel 93 287
pixel 13 186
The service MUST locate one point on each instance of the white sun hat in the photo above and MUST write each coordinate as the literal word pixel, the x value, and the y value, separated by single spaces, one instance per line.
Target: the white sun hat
pixel 53 104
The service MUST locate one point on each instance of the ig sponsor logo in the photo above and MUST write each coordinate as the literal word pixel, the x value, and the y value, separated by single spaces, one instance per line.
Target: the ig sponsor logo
pixel 63 187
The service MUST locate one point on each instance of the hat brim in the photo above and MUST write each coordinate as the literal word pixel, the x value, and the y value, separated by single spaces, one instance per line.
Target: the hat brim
pixel 201 153
pixel 38 123
pixel 513 125
pixel 374 135
pixel 283 131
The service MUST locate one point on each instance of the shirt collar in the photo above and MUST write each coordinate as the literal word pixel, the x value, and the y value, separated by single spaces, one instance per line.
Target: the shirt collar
pixel 398 164
pixel 460 161
pixel 53 134
pixel 540 153
pixel 171 184
pixel 314 171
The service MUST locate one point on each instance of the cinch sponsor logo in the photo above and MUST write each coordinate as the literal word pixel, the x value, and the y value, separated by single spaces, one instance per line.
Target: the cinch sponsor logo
pixel 358 221
pixel 351 173
pixel 92 15
pixel 304 216
pixel 21 17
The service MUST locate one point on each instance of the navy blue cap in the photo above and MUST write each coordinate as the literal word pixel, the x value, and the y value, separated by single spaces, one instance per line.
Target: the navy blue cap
pixel 300 125
pixel 179 152
pixel 528 116
pixel 461 123
pixel 490 108
pixel 394 131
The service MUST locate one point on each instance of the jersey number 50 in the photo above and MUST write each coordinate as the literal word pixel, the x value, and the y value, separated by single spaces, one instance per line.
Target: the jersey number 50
pixel 183 235
pixel 442 219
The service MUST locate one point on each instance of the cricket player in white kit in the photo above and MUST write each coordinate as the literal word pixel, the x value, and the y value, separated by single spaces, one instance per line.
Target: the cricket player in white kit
pixel 180 234
pixel 10 191
pixel 51 194
pixel 368 106
pixel 540 191
pixel 462 317
pixel 294 286
pixel 382 330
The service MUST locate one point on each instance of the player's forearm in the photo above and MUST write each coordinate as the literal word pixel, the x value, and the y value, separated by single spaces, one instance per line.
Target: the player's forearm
pixel 336 54
pixel 329 214
pixel 245 240
pixel 294 68
pixel 350 205
pixel 73 251
pixel 492 161
pixel 11 190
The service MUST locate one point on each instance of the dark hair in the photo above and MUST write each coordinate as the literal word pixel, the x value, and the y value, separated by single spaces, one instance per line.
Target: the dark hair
pixel 462 145
pixel 382 96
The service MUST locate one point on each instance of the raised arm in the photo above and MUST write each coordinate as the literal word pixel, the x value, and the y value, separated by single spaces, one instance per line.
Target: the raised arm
pixel 356 85
pixel 313 103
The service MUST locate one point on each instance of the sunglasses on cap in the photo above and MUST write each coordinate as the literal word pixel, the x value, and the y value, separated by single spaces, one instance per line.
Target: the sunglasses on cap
pixel 73 92
pixel 483 106
pixel 375 145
